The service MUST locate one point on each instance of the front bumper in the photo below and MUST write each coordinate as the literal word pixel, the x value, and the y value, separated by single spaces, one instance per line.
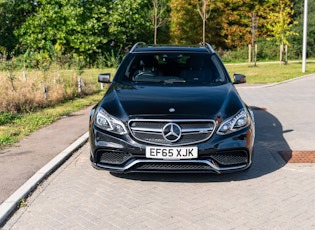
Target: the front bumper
pixel 167 166
pixel 219 154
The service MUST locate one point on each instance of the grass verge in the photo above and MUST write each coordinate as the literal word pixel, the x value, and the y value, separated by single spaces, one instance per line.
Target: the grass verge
pixel 15 127
pixel 265 73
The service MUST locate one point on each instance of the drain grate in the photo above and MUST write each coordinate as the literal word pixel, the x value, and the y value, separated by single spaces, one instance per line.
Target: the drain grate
pixel 298 156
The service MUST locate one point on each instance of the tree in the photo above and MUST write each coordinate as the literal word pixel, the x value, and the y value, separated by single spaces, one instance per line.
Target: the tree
pixel 229 27
pixel 159 17
pixel 204 11
pixel 73 26
pixel 280 24
pixel 237 21
pixel 12 15
pixel 185 25
pixel 280 21
pixel 296 41
pixel 128 22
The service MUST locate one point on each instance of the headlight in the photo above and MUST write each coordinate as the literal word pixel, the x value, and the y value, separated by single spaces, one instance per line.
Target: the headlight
pixel 235 123
pixel 107 122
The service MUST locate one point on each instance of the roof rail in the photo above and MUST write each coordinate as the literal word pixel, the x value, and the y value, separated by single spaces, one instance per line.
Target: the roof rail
pixel 136 45
pixel 207 46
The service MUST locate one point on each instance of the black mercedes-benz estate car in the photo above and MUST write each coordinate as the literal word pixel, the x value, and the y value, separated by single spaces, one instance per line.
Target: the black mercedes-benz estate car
pixel 171 109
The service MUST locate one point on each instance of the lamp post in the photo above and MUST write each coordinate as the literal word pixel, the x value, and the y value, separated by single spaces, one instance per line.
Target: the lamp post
pixel 304 37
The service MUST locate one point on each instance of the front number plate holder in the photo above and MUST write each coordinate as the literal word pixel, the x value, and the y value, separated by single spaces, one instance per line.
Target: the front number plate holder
pixel 171 153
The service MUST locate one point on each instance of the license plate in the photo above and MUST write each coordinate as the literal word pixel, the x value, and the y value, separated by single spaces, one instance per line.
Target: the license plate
pixel 171 153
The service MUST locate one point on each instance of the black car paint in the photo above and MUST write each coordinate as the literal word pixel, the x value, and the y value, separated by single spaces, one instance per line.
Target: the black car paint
pixel 129 100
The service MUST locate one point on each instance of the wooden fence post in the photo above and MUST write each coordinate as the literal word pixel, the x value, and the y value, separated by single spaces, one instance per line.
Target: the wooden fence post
pixel 45 93
pixel 80 84
pixel 249 53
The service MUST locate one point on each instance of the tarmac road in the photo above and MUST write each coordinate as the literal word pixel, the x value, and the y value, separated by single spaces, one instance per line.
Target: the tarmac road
pixel 272 194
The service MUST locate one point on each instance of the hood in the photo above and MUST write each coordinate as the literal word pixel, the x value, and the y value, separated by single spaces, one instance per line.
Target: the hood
pixel 170 101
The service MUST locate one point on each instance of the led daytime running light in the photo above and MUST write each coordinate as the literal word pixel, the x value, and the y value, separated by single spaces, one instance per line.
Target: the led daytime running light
pixel 109 123
pixel 235 123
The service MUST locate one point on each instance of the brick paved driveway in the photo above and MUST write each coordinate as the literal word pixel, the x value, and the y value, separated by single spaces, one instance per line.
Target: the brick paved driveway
pixel 270 195
pixel 79 197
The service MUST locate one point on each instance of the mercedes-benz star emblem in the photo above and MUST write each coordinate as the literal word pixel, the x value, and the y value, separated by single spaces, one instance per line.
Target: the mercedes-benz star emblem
pixel 172 132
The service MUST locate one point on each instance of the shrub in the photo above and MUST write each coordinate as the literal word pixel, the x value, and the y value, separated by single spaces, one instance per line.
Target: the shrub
pixel 238 55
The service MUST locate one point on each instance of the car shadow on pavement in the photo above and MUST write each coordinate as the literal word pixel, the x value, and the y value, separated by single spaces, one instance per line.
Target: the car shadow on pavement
pixel 266 159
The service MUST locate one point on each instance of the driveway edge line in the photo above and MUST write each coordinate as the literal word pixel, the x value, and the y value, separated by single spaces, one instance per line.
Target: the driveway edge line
pixel 10 205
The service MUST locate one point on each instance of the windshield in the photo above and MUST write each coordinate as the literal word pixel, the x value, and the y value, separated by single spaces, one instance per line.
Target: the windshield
pixel 184 68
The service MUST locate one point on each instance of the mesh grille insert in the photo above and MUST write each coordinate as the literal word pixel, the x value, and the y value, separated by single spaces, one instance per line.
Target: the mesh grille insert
pixel 191 131
pixel 173 166
pixel 230 158
pixel 113 157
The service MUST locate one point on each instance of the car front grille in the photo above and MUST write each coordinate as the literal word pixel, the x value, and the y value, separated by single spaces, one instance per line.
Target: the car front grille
pixel 153 131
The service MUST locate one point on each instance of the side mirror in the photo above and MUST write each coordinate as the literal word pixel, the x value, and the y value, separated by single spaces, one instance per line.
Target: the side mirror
pixel 104 78
pixel 239 78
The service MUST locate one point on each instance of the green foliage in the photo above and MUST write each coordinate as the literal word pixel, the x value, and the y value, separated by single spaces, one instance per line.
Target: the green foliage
pixel 296 41
pixel 10 66
pixel 72 26
pixel 23 203
pixel 267 50
pixel 280 21
pixel 99 30
pixel 79 64
pixel 112 59
pixel 43 61
pixel 8 117
pixel 7 139
pixel 13 14
pixel 84 28
pixel 229 23
pixel 237 55
pixel 185 23
pixel 128 22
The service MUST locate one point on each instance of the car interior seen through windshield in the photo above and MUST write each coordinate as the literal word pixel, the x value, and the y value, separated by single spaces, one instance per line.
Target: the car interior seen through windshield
pixel 175 68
